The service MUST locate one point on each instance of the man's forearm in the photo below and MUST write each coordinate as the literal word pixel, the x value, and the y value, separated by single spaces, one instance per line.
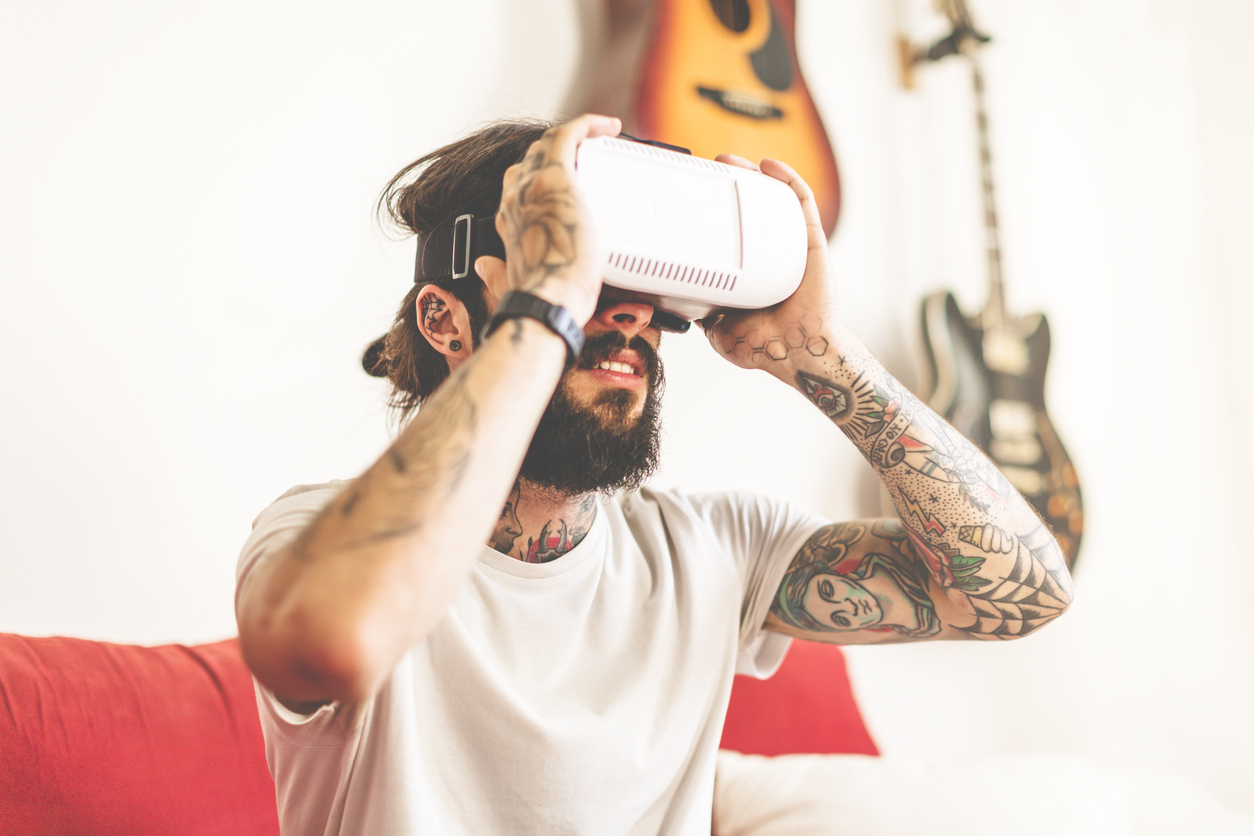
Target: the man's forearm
pixel 993 569
pixel 330 616
pixel 980 539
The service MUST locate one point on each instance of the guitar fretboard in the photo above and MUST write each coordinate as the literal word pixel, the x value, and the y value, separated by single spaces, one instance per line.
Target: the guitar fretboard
pixel 995 313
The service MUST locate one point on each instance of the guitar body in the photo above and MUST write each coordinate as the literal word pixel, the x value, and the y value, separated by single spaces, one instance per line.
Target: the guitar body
pixel 713 76
pixel 990 385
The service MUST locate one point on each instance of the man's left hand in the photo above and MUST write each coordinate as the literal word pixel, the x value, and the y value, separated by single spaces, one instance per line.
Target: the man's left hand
pixel 765 339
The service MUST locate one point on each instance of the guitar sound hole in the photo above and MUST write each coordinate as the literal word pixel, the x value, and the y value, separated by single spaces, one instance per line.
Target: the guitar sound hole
pixel 734 14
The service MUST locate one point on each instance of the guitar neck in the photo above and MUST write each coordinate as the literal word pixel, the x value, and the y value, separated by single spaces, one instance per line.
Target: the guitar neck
pixel 995 315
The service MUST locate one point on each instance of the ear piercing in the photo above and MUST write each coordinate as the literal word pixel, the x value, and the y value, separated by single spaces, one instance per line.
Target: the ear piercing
pixel 455 346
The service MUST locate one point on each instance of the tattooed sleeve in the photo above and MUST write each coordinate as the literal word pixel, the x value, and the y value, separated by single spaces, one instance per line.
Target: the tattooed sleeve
pixel 967 558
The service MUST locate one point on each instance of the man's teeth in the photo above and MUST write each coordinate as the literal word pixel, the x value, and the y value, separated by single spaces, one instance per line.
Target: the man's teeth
pixel 622 368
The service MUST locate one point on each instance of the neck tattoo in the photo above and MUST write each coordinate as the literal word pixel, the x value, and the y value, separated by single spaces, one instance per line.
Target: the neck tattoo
pixel 533 530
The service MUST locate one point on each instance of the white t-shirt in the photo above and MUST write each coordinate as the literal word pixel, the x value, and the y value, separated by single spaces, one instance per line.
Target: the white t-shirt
pixel 585 695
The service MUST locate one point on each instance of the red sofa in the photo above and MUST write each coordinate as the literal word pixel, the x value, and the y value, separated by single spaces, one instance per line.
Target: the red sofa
pixel 122 740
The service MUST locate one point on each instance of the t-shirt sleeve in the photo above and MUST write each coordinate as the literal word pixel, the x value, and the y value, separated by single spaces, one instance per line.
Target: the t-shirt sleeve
pixel 763 535
pixel 274 529
pixel 279 524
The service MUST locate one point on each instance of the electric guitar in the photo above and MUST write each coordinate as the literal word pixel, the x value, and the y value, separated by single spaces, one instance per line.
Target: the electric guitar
pixel 987 372
pixel 712 76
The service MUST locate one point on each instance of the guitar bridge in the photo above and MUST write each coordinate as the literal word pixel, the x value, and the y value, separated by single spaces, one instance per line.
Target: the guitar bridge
pixel 744 104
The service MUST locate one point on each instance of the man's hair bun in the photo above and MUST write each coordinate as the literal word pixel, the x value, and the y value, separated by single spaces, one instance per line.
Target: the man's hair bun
pixel 372 359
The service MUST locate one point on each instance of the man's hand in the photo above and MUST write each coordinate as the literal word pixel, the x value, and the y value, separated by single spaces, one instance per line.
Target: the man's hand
pixel 552 249
pixel 764 339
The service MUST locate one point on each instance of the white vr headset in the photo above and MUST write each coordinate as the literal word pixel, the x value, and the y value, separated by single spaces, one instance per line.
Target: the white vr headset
pixel 684 234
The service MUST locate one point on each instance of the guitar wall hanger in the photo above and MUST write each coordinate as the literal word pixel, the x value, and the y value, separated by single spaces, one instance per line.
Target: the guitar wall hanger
pixel 963 38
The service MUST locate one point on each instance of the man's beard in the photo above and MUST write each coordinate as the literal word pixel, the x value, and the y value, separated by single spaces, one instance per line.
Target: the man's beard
pixel 578 449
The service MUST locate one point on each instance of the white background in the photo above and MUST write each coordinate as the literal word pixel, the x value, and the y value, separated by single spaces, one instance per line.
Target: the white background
pixel 190 268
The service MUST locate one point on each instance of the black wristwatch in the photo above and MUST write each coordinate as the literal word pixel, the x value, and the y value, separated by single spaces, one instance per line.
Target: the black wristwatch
pixel 557 319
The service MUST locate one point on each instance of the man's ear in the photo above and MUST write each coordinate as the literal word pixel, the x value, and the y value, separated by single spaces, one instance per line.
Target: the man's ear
pixel 444 322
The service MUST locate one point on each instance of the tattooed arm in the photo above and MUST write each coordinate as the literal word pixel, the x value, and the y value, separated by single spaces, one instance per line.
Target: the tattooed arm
pixel 967 558
pixel 330 616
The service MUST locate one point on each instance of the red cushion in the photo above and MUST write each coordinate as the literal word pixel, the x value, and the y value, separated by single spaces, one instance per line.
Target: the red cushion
pixel 108 739
pixel 807 707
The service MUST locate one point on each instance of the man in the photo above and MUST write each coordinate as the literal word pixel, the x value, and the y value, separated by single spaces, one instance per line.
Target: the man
pixel 572 676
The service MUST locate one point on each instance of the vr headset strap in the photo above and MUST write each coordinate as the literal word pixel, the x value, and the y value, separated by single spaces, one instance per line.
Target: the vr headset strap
pixel 449 253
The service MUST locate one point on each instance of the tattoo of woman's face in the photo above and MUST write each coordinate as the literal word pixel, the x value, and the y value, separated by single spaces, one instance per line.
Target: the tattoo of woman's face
pixel 844 603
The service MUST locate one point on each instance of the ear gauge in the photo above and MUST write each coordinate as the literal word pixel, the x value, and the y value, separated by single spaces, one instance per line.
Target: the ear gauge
pixel 455 346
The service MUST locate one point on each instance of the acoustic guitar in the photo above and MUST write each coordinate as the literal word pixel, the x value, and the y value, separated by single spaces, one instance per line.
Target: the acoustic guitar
pixel 712 76
pixel 987 372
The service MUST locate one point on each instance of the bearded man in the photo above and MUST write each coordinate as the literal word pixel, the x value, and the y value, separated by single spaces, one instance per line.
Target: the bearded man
pixel 496 628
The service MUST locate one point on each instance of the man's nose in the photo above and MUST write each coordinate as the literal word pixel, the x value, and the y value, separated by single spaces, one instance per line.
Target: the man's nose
pixel 629 317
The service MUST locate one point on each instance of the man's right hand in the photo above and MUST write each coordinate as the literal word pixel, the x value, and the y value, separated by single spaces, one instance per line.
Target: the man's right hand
pixel 552 249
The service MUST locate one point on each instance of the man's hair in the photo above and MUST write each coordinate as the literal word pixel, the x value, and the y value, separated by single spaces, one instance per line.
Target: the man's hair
pixel 430 193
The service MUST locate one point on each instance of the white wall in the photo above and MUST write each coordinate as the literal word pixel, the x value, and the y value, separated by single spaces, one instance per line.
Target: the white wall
pixel 190 270
pixel 1118 182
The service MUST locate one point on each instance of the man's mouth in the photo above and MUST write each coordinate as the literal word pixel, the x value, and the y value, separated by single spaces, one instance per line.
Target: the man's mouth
pixel 611 366
pixel 620 362
pixel 625 370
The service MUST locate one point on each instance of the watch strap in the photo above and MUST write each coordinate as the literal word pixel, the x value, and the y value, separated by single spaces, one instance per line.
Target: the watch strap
pixel 518 303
